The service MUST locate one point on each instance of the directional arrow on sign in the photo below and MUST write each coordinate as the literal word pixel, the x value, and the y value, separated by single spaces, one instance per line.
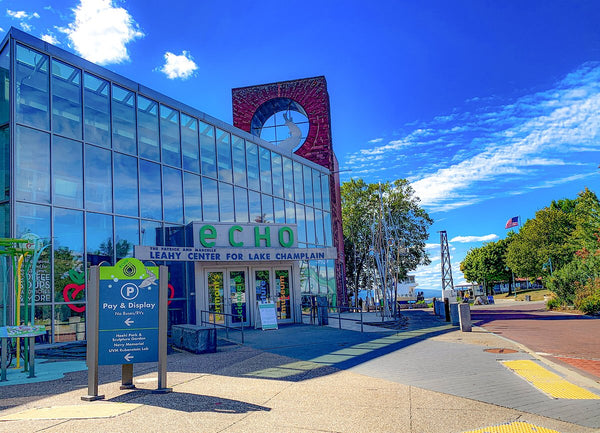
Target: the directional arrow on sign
pixel 128 357
pixel 128 322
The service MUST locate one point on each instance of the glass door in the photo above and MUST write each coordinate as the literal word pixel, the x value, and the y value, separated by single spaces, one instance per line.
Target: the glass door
pixel 216 300
pixel 262 284
pixel 282 294
pixel 237 296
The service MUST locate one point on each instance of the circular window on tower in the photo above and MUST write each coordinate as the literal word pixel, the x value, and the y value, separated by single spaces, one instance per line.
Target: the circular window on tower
pixel 281 121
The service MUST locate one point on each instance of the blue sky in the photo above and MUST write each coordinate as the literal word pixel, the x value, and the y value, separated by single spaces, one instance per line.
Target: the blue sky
pixel 491 109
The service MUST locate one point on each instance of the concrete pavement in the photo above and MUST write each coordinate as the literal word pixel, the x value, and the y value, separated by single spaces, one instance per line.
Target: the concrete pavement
pixel 427 377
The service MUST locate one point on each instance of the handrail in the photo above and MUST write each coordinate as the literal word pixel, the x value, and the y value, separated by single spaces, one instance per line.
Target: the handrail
pixel 313 313
pixel 226 322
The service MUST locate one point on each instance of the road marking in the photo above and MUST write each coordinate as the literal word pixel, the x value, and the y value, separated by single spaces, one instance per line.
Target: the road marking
pixel 514 427
pixel 548 382
pixel 94 410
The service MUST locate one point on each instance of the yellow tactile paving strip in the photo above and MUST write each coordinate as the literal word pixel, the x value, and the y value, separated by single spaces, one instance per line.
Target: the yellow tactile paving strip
pixel 548 382
pixel 514 427
pixel 94 410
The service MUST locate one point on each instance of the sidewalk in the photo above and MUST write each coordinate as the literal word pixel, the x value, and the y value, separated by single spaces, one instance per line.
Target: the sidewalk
pixel 300 378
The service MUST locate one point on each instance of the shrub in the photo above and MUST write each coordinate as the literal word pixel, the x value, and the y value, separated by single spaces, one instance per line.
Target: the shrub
pixel 587 296
pixel 553 304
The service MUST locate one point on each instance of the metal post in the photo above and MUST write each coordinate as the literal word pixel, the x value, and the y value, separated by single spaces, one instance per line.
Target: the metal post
pixel 361 321
pixel 31 357
pixel 92 334
pixel 4 359
pixel 340 317
pixel 163 298
pixel 127 376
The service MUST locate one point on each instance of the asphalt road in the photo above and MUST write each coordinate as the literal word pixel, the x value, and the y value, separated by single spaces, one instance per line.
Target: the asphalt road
pixel 571 339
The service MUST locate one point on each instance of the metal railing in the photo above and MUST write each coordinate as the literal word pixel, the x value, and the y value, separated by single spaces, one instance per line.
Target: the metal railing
pixel 227 323
pixel 313 314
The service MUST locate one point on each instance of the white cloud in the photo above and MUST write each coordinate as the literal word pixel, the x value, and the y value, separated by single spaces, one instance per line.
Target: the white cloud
pixel 178 66
pixel 467 239
pixel 50 39
pixel 101 31
pixel 376 140
pixel 473 156
pixel 26 27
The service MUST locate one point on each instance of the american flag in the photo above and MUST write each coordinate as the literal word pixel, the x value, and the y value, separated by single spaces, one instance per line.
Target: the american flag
pixel 513 222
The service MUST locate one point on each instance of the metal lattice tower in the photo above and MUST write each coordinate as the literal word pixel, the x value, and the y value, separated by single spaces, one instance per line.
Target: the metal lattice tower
pixel 447 283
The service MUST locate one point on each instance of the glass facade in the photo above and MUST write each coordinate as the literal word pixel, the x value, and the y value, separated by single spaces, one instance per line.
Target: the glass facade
pixel 114 168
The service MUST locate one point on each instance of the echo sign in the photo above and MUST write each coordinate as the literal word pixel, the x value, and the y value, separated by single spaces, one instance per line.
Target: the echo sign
pixel 245 235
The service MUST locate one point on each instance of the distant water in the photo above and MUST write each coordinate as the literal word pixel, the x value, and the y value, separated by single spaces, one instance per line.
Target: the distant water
pixel 427 293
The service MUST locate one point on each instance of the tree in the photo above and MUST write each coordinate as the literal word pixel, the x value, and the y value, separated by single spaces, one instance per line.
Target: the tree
pixel 379 217
pixel 542 244
pixel 487 264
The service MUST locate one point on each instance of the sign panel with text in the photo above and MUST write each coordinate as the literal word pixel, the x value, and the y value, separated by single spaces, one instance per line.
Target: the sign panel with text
pixel 128 313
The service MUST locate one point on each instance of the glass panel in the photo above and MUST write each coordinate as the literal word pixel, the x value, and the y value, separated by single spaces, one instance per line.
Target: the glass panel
pixel 319 235
pixel 241 205
pixel 224 156
pixel 192 197
pixel 152 233
pixel 288 178
pixel 317 188
pixel 208 153
pixel 67 172
pixel 127 234
pixel 123 120
pixel 99 238
pixel 331 283
pixel 237 291
pixel 4 222
pixel 210 200
pixel 96 110
pixel 262 284
pixel 150 199
pixel 215 296
pixel 177 313
pixel 252 161
pixel 66 100
pixel 277 175
pixel 43 316
pixel 239 160
pixel 298 182
pixel 173 195
pixel 325 193
pixel 290 212
pixel 279 208
pixel 300 218
pixel 174 235
pixel 190 143
pixel 169 136
pixel 32 88
pixel 255 209
pixel 304 280
pixel 98 179
pixel 5 85
pixel 308 190
pixel 4 162
pixel 126 185
pixel 32 218
pixel 282 278
pixel 265 171
pixel 148 128
pixel 328 229
pixel 310 225
pixel 226 202
pixel 69 322
pixel 69 277
pixel 33 165
pixel 267 209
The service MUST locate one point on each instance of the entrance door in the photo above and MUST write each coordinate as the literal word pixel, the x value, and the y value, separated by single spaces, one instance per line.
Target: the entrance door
pixel 282 294
pixel 237 296
pixel 216 299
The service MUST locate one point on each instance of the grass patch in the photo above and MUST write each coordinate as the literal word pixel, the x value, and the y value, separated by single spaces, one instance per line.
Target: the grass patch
pixel 536 295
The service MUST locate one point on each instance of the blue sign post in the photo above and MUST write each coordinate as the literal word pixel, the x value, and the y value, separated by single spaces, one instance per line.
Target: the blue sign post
pixel 128 316
pixel 127 321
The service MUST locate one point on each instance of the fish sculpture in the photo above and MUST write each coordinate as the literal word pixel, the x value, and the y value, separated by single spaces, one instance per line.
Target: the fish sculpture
pixel 293 140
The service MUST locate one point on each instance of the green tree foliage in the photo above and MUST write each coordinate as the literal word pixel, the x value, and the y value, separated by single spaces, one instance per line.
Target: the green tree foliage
pixel 487 264
pixel 407 224
pixel 542 240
